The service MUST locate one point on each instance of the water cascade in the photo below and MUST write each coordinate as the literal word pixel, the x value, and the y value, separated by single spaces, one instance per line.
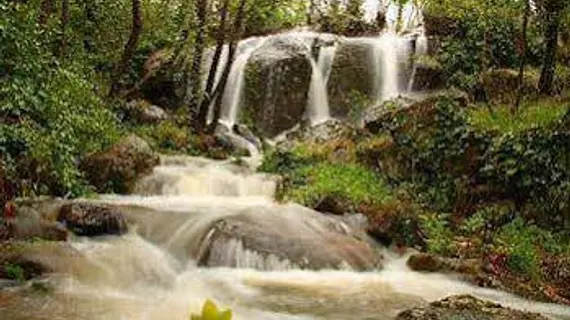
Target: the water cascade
pixel 235 83
pixel 318 105
pixel 181 220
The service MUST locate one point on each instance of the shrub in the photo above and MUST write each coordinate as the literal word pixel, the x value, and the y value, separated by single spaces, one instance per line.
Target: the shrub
pixel 50 113
pixel 438 235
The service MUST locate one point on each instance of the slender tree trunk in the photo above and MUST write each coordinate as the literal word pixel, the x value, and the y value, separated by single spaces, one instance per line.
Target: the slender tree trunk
pixel 46 10
pixel 89 10
pixel 202 118
pixel 549 67
pixel 311 13
pixel 523 55
pixel 237 31
pixel 130 46
pixel 194 80
pixel 62 50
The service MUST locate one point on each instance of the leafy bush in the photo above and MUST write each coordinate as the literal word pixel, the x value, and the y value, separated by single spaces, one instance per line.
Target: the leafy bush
pixel 210 312
pixel 166 136
pixel 438 235
pixel 50 113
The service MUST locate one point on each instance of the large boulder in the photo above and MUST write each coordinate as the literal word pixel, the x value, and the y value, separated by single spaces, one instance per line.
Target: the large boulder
pixel 143 112
pixel 288 236
pixel 92 220
pixel 277 81
pixel 118 168
pixel 351 75
pixel 466 307
pixel 425 262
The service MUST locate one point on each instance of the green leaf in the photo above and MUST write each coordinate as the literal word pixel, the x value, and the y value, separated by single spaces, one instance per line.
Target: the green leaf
pixel 226 315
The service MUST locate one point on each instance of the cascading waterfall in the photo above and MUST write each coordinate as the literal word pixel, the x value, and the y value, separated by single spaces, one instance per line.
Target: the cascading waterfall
pixel 235 83
pixel 150 273
pixel 318 105
pixel 386 51
pixel 421 46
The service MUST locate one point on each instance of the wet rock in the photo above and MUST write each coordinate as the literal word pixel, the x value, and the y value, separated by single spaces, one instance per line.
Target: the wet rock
pixel 246 133
pixel 466 307
pixel 332 204
pixel 428 75
pixel 118 168
pixel 350 75
pixel 277 78
pixel 286 237
pixel 162 83
pixel 426 262
pixel 92 220
pixel 143 112
pixel 332 129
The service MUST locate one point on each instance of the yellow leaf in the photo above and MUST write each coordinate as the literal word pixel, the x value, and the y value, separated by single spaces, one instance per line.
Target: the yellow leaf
pixel 209 311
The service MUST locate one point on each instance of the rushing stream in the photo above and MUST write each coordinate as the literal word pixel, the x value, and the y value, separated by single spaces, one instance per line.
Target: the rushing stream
pixel 150 273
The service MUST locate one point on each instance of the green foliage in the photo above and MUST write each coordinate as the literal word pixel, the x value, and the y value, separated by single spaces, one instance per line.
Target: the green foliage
pixel 523 256
pixel 267 16
pixel 438 235
pixel 166 136
pixel 14 272
pixel 354 183
pixel 478 35
pixel 50 113
pixel 309 178
pixel 210 312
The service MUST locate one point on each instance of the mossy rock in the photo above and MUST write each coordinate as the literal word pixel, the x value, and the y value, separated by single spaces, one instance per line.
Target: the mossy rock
pixel 118 168
pixel 277 82
pixel 466 307
pixel 350 75
pixel 502 85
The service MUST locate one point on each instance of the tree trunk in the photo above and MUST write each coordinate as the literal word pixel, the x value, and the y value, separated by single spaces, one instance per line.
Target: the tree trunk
pixel 202 118
pixel 46 10
pixel 194 79
pixel 523 54
pixel 130 47
pixel 549 66
pixel 90 12
pixel 62 51
pixel 237 31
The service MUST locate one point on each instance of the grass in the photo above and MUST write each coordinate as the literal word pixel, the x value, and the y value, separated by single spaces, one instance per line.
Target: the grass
pixel 535 114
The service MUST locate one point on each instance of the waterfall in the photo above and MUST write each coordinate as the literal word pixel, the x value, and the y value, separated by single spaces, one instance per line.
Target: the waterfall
pixel 235 83
pixel 318 105
pixel 421 49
